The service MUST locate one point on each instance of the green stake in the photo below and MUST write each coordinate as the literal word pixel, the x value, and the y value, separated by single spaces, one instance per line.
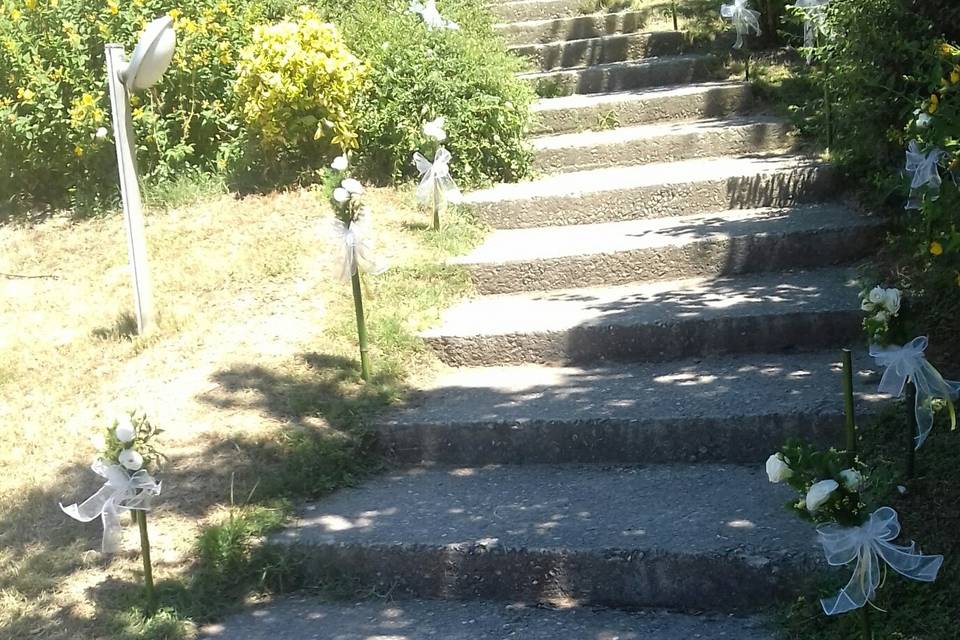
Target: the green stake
pixel 865 626
pixel 151 607
pixel 911 462
pixel 673 10
pixel 361 327
pixel 848 407
pixel 436 205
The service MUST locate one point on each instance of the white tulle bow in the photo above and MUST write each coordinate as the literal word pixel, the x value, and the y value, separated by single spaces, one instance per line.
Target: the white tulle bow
pixel 744 18
pixel 121 492
pixel 435 180
pixel 813 23
pixel 431 15
pixel 868 544
pixel 909 363
pixel 356 254
pixel 925 171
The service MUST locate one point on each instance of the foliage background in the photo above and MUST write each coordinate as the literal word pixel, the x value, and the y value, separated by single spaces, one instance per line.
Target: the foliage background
pixel 53 96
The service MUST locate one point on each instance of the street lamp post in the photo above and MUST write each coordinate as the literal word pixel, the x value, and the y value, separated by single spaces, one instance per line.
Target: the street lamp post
pixel 149 61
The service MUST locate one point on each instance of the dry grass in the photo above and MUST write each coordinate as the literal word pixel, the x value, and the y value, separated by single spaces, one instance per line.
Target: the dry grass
pixel 255 352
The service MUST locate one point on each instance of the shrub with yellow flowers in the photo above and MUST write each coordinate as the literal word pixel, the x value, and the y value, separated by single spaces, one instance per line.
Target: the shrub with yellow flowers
pixel 297 88
pixel 55 129
pixel 934 137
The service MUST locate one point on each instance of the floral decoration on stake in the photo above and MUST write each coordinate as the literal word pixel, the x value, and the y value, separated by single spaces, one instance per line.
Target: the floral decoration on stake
pixel 923 167
pixel 127 457
pixel 744 19
pixel 431 15
pixel 351 228
pixel 436 186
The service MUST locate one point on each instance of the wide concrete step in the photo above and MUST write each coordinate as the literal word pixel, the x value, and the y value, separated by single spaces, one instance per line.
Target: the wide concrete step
pixel 654 322
pixel 302 617
pixel 648 106
pixel 664 142
pixel 710 244
pixel 697 537
pixel 721 409
pixel 601 50
pixel 655 190
pixel 620 76
pixel 572 28
pixel 524 10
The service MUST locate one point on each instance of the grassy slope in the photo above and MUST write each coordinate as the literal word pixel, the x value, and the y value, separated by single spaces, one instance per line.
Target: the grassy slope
pixel 253 375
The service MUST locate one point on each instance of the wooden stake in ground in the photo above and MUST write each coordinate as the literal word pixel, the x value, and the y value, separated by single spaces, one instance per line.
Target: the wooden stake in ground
pixel 151 606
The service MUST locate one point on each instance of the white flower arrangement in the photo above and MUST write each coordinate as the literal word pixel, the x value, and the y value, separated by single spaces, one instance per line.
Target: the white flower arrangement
pixel 880 306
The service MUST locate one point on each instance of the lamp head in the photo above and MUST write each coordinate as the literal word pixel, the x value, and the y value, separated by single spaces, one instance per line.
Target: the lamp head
pixel 152 55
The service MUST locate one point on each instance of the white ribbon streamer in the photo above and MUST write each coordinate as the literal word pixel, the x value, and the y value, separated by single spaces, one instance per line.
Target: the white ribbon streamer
pixel 868 544
pixel 908 363
pixel 814 11
pixel 431 15
pixel 744 18
pixel 120 492
pixel 357 254
pixel 925 169
pixel 435 180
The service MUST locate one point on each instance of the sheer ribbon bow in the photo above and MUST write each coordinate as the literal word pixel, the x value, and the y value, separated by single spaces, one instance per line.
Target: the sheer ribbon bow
pixel 744 18
pixel 121 492
pixel 435 180
pixel 813 11
pixel 925 171
pixel 356 252
pixel 908 363
pixel 868 544
pixel 431 15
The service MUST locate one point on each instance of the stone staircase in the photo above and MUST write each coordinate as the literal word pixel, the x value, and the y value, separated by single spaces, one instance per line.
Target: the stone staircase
pixel 658 311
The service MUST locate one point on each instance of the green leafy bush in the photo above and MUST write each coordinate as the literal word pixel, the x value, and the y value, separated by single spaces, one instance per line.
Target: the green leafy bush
pixel 296 91
pixel 873 79
pixel 418 74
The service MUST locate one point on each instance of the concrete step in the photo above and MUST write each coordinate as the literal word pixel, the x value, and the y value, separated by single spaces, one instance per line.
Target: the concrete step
pixel 523 10
pixel 710 244
pixel 601 50
pixel 654 322
pixel 620 76
pixel 650 106
pixel 724 409
pixel 685 537
pixel 300 617
pixel 572 28
pixel 655 190
pixel 664 142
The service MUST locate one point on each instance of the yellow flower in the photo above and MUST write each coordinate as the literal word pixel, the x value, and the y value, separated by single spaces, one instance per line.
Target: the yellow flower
pixel 955 75
pixel 137 113
pixel 78 151
pixel 30 4
pixel 175 13
pixel 936 248
pixel 934 104
pixel 112 7
pixel 25 94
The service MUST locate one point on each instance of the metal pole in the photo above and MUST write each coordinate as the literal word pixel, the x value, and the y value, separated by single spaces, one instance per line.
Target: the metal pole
pixel 673 10
pixel 911 462
pixel 130 190
pixel 436 205
pixel 147 566
pixel 361 327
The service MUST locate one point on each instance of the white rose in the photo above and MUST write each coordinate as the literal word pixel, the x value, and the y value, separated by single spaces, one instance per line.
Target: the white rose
pixel 882 316
pixel 924 120
pixel 820 493
pixel 101 133
pixel 341 195
pixel 352 186
pixel 877 295
pixel 891 300
pixel 130 459
pixel 125 430
pixel 777 469
pixel 339 163
pixel 434 129
pixel 851 479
